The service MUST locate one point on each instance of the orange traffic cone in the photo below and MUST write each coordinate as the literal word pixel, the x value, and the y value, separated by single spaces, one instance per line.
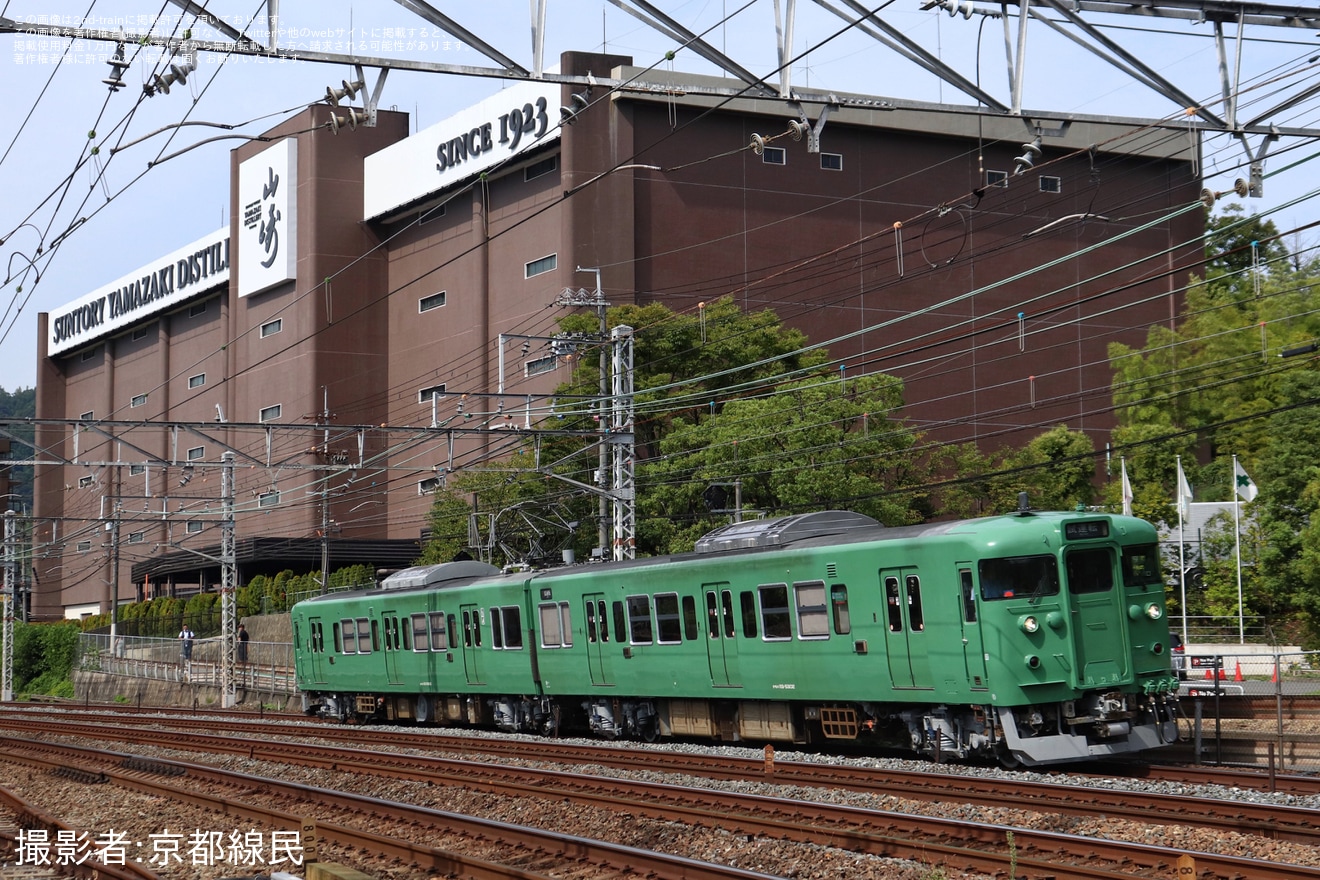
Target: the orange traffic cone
pixel 1275 677
pixel 1221 673
pixel 1237 676
pixel 1209 675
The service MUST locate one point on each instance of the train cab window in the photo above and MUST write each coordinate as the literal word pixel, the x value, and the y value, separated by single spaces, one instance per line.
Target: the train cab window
pixel 916 617
pixel 839 609
pixel 813 617
pixel 774 612
pixel 893 604
pixel 505 628
pixel 421 639
pixel 1018 577
pixel 1141 566
pixel 639 620
pixel 556 627
pixel 748 606
pixel 667 625
pixel 968 595
pixel 439 632
pixel 1090 570
pixel 690 628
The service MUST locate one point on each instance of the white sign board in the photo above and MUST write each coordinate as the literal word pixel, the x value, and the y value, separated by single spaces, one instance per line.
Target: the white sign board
pixel 156 287
pixel 268 227
pixel 511 122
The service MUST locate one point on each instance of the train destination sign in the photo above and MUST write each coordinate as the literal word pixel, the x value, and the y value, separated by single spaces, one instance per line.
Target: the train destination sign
pixel 156 287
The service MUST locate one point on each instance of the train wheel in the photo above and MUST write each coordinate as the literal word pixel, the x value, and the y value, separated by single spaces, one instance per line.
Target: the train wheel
pixel 1006 758
pixel 650 729
pixel 422 713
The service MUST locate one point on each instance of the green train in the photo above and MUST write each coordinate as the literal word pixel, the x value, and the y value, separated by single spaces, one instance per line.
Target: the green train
pixel 1031 639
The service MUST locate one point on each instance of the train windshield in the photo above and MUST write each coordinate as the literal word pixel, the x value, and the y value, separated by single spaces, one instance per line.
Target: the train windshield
pixel 1019 577
pixel 1141 566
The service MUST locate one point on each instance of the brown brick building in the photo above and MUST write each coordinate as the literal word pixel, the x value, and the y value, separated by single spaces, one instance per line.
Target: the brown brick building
pixel 365 273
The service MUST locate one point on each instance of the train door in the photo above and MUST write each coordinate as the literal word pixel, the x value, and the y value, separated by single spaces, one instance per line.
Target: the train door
pixel 722 636
pixel 1099 625
pixel 314 640
pixel 973 646
pixel 391 643
pixel 905 629
pixel 471 619
pixel 598 639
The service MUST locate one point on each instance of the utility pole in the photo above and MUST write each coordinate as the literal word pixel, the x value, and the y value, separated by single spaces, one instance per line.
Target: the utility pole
pixel 228 605
pixel 581 298
pixel 7 673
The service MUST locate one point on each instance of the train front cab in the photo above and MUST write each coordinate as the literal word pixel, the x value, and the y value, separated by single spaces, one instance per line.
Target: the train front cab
pixel 1081 667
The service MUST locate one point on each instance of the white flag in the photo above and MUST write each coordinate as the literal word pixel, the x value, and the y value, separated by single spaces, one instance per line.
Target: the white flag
pixel 1184 493
pixel 1245 487
pixel 1127 490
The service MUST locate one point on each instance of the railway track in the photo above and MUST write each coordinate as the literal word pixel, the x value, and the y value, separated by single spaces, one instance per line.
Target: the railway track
pixel 867 831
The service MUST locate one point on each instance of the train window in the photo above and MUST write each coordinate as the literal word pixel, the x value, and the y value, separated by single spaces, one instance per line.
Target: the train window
pixel 452 628
pixel 556 625
pixel 713 614
pixel 469 624
pixel 603 621
pixel 591 622
pixel 420 636
pixel 619 621
pixel 690 628
pixel 439 633
pixel 1089 571
pixel 892 603
pixel 968 595
pixel 505 628
pixel 639 620
pixel 774 612
pixel 916 617
pixel 839 607
pixel 726 598
pixel 349 627
pixel 368 639
pixel 748 603
pixel 317 637
pixel 339 642
pixel 391 633
pixel 813 617
pixel 1141 566
pixel 666 619
pixel 1018 577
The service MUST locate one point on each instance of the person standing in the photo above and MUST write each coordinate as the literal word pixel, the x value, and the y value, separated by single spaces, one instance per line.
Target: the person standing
pixel 186 636
pixel 241 647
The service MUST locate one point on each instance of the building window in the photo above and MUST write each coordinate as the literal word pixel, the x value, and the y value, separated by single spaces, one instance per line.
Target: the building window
pixel 541 266
pixel 193 527
pixel 87 416
pixel 86 482
pixel 270 413
pixel 137 470
pixel 1050 184
pixel 434 301
pixel 138 400
pixel 197 453
pixel 137 537
pixel 270 328
pixel 831 161
pixel 540 365
pixel 424 395
pixel 91 353
pixel 540 169
pixel 197 381
pixel 996 178
pixel 775 156
pixel 268 499
pixel 428 486
pixel 84 546
pixel 196 309
pixel 139 333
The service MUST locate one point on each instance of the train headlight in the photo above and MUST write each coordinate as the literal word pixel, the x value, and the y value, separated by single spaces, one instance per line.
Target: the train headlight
pixel 1154 611
pixel 1029 623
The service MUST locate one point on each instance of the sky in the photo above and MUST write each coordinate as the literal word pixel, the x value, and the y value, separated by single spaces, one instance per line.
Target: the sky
pixel 96 184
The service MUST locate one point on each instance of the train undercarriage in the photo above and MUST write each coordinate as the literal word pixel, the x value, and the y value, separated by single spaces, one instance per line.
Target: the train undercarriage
pixel 1098 724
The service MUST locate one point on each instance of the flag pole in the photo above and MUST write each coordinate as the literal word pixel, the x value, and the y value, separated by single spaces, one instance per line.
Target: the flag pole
pixel 1237 546
pixel 1182 563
